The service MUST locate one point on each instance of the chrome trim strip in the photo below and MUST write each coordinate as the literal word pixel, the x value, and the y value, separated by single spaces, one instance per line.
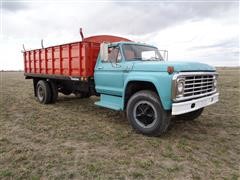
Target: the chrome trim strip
pixel 195 73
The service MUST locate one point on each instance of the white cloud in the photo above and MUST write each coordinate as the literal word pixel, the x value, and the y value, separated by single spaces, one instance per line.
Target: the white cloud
pixel 190 31
pixel 205 41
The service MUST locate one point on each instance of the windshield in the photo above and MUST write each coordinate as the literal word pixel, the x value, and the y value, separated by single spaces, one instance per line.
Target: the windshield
pixel 134 52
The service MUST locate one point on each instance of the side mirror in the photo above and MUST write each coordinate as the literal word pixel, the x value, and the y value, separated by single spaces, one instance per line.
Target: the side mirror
pixel 104 51
pixel 164 54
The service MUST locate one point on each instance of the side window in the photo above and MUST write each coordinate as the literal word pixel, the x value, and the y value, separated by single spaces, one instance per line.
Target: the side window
pixel 119 57
pixel 114 54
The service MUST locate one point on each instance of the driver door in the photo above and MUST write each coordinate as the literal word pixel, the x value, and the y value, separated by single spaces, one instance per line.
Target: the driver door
pixel 109 73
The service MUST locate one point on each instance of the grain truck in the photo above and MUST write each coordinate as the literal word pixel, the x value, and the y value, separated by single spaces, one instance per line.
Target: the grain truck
pixel 127 76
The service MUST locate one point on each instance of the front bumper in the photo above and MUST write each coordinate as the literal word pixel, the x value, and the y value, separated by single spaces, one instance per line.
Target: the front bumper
pixel 188 106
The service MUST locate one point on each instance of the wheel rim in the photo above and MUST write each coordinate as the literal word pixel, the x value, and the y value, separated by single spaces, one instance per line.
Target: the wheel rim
pixel 40 93
pixel 145 114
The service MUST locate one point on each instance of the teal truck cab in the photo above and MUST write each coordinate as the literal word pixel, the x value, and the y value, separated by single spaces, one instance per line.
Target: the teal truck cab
pixel 135 78
pixel 128 76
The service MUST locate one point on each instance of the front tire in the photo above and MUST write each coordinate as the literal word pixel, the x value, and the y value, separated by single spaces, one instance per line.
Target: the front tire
pixel 146 114
pixel 43 92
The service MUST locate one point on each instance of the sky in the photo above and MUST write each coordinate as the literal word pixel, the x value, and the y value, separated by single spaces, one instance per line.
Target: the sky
pixel 200 31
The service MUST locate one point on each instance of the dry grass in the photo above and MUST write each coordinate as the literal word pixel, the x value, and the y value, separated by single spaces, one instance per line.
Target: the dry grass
pixel 75 139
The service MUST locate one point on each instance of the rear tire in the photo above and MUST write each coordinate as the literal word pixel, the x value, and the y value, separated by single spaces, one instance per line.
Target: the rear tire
pixel 54 92
pixel 189 116
pixel 146 114
pixel 43 92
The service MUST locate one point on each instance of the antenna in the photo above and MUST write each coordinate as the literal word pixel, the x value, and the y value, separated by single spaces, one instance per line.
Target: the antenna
pixel 24 50
pixel 42 43
pixel 81 34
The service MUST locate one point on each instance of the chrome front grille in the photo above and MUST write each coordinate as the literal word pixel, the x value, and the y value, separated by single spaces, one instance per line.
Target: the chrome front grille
pixel 198 85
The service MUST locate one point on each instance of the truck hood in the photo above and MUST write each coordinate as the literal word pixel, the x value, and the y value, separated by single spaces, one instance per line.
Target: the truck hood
pixel 178 66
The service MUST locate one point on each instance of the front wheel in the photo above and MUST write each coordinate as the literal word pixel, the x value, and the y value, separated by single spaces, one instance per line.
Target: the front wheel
pixel 146 114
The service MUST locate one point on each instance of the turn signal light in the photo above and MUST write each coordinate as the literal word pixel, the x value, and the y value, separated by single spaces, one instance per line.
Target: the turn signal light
pixel 170 69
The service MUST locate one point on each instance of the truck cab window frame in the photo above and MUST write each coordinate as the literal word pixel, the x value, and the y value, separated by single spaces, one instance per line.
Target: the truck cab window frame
pixel 133 52
pixel 114 55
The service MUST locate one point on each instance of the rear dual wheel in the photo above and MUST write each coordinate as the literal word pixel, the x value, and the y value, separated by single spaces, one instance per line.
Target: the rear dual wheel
pixel 54 92
pixel 43 92
pixel 46 92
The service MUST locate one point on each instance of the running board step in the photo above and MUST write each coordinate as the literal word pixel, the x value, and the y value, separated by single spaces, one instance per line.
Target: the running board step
pixel 111 102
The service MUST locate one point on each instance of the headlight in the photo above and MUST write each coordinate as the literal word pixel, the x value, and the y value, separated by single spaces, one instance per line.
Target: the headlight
pixel 215 82
pixel 180 87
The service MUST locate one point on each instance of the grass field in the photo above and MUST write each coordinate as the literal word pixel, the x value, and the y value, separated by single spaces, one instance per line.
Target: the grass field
pixel 74 139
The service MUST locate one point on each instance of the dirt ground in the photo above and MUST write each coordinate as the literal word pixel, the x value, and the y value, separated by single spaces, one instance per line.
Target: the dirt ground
pixel 74 139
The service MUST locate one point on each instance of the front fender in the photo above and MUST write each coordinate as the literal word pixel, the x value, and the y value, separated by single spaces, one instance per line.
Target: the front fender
pixel 161 80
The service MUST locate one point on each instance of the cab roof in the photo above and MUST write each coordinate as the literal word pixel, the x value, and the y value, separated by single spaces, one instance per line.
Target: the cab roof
pixel 131 43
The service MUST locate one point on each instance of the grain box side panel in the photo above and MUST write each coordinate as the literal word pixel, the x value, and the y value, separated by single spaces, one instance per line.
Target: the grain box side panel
pixel 29 62
pixel 75 59
pixel 39 58
pixel 36 67
pixel 65 60
pixel 94 51
pixel 25 62
pixel 83 59
pixel 88 59
pixel 49 60
pixel 56 59
pixel 91 55
pixel 75 63
pixel 43 62
pixel 80 58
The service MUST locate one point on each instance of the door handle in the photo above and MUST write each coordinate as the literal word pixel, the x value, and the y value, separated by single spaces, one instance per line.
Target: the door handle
pixel 127 69
pixel 100 67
